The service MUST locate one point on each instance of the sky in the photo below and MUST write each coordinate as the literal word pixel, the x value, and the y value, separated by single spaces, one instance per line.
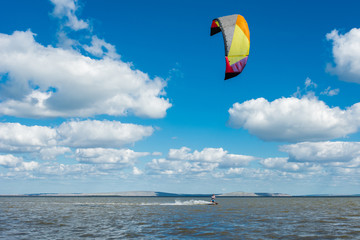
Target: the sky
pixel 111 96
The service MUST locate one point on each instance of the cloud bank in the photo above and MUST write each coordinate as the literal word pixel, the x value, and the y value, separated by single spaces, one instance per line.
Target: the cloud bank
pixel 183 161
pixel 323 152
pixel 294 120
pixel 15 137
pixel 99 144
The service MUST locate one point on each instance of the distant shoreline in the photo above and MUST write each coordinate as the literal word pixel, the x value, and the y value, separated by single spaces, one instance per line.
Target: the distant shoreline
pixel 164 194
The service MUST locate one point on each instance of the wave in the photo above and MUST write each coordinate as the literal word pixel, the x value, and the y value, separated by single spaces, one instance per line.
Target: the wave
pixel 179 203
pixel 176 203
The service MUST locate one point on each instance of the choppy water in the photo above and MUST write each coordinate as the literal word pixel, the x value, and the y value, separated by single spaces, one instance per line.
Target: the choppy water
pixel 178 218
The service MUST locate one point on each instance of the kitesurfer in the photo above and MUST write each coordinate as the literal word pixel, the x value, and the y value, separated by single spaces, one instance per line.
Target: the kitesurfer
pixel 213 199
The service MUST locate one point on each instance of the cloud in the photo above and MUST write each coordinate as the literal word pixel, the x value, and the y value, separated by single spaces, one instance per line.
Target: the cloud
pixel 106 134
pixel 124 157
pixel 137 171
pixel 330 92
pixel 51 142
pixel 310 83
pixel 65 10
pixel 175 167
pixel 255 173
pixel 184 162
pixel 346 53
pixel 51 153
pixel 100 48
pixel 323 152
pixel 306 91
pixel 15 137
pixel 17 164
pixel 215 155
pixel 10 161
pixel 43 81
pixel 294 120
pixel 58 169
pixel 283 164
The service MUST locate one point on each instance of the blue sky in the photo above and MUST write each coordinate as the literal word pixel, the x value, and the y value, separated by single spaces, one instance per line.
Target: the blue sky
pixel 108 96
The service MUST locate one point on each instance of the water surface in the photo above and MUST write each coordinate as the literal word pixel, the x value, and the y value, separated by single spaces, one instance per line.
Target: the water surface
pixel 178 218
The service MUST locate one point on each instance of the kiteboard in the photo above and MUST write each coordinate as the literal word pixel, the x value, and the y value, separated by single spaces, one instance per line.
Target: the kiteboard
pixel 213 203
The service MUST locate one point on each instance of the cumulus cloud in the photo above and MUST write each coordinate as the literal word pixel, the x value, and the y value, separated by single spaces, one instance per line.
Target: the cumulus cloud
pixel 209 160
pixel 43 81
pixel 137 171
pixel 17 164
pixel 125 157
pixel 280 163
pixel 284 164
pixel 216 155
pixel 346 53
pixel 51 142
pixel 10 161
pixel 294 120
pixel 65 10
pixel 17 167
pixel 15 137
pixel 51 153
pixel 175 167
pixel 94 133
pixel 323 151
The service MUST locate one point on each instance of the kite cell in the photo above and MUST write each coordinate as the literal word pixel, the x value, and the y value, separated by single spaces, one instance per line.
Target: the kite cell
pixel 237 42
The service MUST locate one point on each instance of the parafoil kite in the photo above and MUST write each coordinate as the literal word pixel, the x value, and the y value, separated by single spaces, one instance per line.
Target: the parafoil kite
pixel 236 36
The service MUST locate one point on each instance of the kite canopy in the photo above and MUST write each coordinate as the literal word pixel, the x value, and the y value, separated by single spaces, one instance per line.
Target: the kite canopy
pixel 237 42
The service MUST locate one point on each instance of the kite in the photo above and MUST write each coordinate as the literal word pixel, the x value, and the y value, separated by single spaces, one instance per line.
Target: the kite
pixel 236 36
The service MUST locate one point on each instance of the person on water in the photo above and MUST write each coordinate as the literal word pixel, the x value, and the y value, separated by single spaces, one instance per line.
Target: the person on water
pixel 213 198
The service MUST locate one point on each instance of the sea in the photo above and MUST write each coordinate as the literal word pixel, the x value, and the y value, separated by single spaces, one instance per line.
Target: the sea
pixel 179 218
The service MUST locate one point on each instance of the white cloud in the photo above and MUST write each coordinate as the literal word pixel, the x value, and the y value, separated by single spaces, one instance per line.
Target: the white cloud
pixel 252 173
pixel 137 171
pixel 346 53
pixel 330 92
pixel 15 137
pixel 50 153
pixel 27 166
pixel 184 162
pixel 44 81
pixel 98 46
pixel 294 120
pixel 17 164
pixel 125 157
pixel 57 169
pixel 173 167
pixel 306 91
pixel 283 164
pixel 65 10
pixel 51 142
pixel 10 161
pixel 309 83
pixel 94 133
pixel 216 155
pixel 280 163
pixel 157 153
pixel 323 151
